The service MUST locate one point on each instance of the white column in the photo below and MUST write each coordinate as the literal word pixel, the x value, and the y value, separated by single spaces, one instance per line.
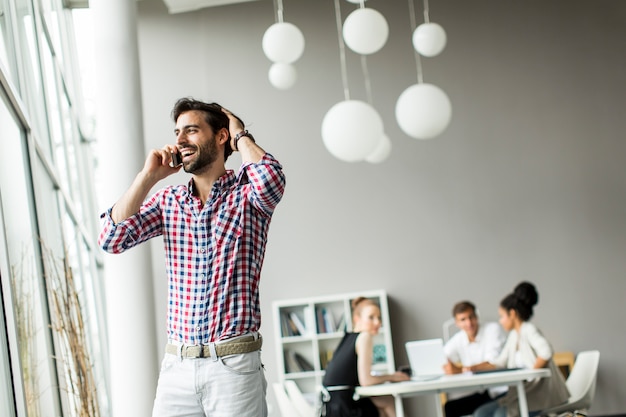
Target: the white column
pixel 119 129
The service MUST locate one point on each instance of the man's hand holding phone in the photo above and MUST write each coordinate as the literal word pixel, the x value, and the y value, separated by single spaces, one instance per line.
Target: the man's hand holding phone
pixel 177 160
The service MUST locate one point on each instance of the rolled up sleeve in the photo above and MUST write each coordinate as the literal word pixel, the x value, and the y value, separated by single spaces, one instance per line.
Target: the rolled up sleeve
pixel 119 237
pixel 268 183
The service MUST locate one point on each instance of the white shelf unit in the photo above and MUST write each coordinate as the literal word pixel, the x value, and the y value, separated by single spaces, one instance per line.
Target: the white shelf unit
pixel 308 339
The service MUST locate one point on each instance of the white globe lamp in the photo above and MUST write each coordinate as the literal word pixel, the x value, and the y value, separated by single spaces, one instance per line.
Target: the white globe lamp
pixel 365 31
pixel 429 39
pixel 423 111
pixel 381 152
pixel 351 130
pixel 282 76
pixel 283 42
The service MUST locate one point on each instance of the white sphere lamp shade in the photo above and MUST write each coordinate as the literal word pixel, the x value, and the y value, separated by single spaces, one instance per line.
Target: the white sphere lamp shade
pixel 283 42
pixel 429 39
pixel 423 111
pixel 282 76
pixel 381 152
pixel 365 31
pixel 351 130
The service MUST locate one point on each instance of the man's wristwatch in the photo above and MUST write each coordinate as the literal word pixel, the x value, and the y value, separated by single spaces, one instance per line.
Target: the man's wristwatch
pixel 243 133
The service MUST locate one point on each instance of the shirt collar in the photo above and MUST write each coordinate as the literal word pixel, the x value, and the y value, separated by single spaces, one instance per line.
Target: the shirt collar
pixel 466 340
pixel 223 182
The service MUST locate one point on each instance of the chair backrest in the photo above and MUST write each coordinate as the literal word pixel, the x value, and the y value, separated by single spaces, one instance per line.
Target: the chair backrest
pixel 581 382
pixel 302 405
pixel 449 329
pixel 287 409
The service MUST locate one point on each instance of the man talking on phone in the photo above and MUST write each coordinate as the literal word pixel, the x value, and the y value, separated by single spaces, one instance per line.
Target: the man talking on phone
pixel 214 230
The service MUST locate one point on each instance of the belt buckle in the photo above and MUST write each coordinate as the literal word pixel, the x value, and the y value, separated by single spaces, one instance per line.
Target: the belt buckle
pixel 201 352
pixel 191 351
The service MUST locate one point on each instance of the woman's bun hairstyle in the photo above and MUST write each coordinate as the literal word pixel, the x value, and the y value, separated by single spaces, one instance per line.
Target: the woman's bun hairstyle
pixel 523 298
pixel 526 293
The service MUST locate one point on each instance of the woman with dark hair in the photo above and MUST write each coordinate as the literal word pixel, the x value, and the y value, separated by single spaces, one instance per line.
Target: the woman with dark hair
pixel 352 366
pixel 527 348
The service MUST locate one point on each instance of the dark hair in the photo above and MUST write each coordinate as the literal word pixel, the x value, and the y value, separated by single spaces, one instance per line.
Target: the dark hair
pixel 462 307
pixel 213 115
pixel 523 298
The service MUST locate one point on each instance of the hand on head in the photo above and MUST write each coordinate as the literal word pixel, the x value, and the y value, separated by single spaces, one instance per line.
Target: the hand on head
pixel 235 125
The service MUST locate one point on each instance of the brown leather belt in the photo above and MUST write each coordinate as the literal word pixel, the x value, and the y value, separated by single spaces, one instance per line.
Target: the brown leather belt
pixel 237 346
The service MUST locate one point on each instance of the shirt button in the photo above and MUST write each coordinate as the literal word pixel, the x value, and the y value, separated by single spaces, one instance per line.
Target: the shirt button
pixel 202 250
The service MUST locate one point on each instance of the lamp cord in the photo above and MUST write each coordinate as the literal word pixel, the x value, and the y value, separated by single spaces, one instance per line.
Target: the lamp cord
pixel 342 52
pixel 366 77
pixel 278 9
pixel 418 61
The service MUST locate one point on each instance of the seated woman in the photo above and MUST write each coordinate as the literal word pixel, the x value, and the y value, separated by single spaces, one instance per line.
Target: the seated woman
pixel 525 347
pixel 351 366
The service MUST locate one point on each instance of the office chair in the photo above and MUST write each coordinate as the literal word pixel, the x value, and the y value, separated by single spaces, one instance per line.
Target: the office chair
pixel 581 384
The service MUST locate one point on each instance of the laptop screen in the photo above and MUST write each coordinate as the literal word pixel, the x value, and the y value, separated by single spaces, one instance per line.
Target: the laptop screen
pixel 426 357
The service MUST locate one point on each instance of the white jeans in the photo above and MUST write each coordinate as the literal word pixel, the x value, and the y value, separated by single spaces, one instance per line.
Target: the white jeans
pixel 231 386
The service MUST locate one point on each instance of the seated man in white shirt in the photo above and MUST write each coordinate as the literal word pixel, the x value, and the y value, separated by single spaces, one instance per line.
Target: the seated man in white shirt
pixel 474 344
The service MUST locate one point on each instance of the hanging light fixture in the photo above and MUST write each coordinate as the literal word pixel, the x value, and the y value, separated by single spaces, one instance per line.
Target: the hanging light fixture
pixel 429 39
pixel 365 30
pixel 381 152
pixel 283 44
pixel 424 111
pixel 352 130
pixel 282 76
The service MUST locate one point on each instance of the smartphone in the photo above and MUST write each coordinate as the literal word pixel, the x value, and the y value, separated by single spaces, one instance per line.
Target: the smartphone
pixel 176 159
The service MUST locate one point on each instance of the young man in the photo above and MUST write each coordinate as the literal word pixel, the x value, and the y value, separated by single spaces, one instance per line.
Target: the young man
pixel 214 230
pixel 473 344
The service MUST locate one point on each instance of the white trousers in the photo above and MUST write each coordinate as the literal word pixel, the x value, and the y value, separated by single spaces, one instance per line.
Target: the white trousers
pixel 231 386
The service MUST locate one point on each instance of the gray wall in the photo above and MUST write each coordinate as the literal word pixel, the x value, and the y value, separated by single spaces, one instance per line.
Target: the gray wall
pixel 527 183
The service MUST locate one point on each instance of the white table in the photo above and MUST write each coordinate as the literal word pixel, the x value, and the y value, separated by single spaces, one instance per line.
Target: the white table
pixel 458 382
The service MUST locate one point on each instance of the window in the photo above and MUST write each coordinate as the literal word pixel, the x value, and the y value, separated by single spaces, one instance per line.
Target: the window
pixel 6 44
pixel 46 223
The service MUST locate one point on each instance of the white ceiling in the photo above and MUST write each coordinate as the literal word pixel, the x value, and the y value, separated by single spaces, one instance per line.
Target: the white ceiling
pixel 181 6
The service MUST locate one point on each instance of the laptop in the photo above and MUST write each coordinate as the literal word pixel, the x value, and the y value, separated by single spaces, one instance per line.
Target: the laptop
pixel 426 358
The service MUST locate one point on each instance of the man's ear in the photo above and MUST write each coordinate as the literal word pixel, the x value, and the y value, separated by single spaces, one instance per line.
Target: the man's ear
pixel 223 136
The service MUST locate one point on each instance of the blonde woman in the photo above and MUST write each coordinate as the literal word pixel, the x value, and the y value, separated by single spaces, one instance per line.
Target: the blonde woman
pixel 351 366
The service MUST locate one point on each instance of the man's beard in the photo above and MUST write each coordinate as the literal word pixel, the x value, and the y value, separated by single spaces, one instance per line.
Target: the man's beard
pixel 204 157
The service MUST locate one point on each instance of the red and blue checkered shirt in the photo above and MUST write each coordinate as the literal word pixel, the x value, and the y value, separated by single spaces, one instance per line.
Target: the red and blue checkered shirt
pixel 213 252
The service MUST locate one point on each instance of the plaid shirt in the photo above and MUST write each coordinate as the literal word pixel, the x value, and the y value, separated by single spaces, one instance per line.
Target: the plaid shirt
pixel 213 252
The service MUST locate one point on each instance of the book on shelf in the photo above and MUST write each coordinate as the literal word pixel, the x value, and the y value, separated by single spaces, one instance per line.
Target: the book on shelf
pixel 321 327
pixel 292 325
pixel 295 362
pixel 288 327
pixel 298 323
pixel 284 326
pixel 325 357
pixel 341 326
pixel 326 321
pixel 305 365
pixel 329 321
